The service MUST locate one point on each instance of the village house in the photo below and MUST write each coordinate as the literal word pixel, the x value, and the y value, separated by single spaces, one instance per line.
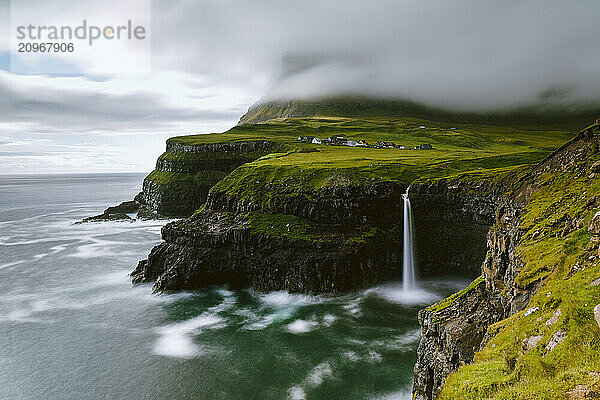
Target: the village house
pixel 384 145
pixel 337 140
pixel 351 143
pixel 423 146
pixel 306 139
pixel 317 141
pixel 401 147
pixel 362 143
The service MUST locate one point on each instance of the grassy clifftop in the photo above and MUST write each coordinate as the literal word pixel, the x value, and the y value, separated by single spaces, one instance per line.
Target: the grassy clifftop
pixel 478 150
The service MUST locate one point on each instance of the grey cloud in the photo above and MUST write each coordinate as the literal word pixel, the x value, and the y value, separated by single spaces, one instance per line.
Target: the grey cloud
pixel 63 110
pixel 456 54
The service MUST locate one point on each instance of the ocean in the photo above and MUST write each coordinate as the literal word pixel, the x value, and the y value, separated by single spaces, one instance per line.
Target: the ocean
pixel 72 326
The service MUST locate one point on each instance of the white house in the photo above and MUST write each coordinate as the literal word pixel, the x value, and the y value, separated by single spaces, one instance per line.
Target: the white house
pixel 352 143
pixel 422 127
pixel 316 141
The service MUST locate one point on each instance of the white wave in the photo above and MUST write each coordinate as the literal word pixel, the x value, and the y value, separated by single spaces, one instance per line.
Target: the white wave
pixel 36 217
pixel 318 374
pixel 176 340
pixel 96 248
pixel 351 356
pixel 313 379
pixel 374 356
pixel 301 326
pixel 353 308
pixel 329 319
pixel 356 341
pixel 283 299
pixel 36 241
pixel 279 306
pixel 260 323
pixel 296 393
pixel 370 356
pixel 111 279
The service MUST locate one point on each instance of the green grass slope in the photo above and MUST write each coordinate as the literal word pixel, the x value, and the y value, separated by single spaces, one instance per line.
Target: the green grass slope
pixel 566 261
pixel 477 150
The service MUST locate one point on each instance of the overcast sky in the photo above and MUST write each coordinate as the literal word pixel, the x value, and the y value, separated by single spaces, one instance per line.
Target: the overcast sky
pixel 211 59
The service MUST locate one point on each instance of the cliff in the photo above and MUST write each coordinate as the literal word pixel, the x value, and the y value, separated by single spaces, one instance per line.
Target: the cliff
pixel 526 328
pixel 316 218
pixel 337 240
pixel 184 174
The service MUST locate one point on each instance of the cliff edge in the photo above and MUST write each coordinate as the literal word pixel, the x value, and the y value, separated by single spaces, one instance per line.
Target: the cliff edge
pixel 526 328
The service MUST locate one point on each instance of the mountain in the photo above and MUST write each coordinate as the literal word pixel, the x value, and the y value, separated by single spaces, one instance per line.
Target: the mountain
pixel 363 107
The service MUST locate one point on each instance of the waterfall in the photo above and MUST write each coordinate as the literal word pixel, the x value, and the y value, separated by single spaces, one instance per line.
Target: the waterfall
pixel 408 265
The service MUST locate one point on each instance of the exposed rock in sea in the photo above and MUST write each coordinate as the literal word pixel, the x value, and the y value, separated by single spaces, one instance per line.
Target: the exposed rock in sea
pixel 115 213
pixel 107 217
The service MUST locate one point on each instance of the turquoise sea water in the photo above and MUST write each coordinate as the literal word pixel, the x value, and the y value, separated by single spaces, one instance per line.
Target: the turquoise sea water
pixel 73 327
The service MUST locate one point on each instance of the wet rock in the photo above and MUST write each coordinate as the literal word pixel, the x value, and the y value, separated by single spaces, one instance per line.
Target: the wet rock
pixel 127 207
pixel 211 248
pixel 116 213
pixel 107 217
pixel 450 336
pixel 556 339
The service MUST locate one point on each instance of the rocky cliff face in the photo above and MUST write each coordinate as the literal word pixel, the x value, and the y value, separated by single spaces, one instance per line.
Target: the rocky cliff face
pixel 452 219
pixel 184 174
pixel 332 239
pixel 454 329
